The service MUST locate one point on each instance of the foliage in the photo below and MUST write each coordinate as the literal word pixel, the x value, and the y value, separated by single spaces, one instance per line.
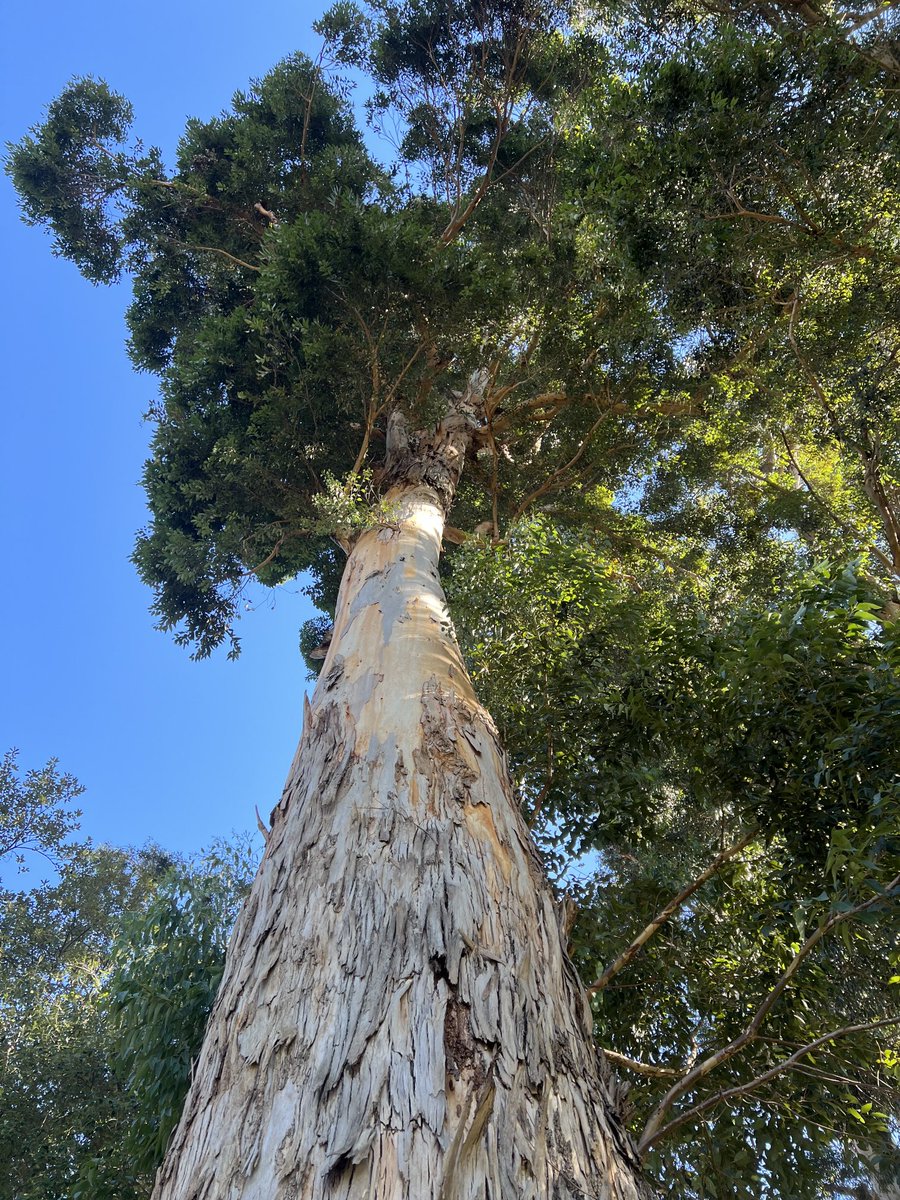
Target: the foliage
pixel 166 964
pixel 81 958
pixel 742 166
pixel 36 813
pixel 648 724
pixel 60 1100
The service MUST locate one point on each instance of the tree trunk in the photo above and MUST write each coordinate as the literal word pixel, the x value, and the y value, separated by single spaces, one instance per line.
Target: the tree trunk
pixel 874 1188
pixel 398 1019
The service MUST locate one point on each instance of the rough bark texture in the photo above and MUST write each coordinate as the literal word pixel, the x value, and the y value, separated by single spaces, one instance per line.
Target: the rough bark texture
pixel 398 1019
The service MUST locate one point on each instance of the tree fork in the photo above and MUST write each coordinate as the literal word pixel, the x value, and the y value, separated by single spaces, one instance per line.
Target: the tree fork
pixel 398 1018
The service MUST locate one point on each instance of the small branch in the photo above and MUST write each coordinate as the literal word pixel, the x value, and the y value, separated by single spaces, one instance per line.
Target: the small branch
pixel 552 480
pixel 373 408
pixel 539 408
pixel 673 906
pixel 879 11
pixel 748 214
pixel 885 514
pixel 218 250
pixel 270 557
pixel 543 793
pixel 657 1118
pixel 848 529
pixel 261 825
pixel 742 1089
pixel 495 491
pixel 641 1068
pixel 877 493
pixel 545 407
pixel 810 374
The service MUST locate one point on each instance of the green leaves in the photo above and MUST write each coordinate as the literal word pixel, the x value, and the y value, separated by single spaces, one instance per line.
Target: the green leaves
pixel 61 1106
pixel 107 974
pixel 166 966
pixel 69 170
pixel 36 812
pixel 748 177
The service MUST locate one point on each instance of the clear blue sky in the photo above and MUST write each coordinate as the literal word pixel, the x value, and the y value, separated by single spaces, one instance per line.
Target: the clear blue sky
pixel 167 748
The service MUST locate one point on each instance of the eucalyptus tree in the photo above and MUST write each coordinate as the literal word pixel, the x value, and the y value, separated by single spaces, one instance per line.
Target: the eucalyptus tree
pixel 397 1015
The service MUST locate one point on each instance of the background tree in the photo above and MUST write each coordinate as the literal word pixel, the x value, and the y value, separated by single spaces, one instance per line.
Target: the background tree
pixel 109 969
pixel 61 1100
pixel 718 792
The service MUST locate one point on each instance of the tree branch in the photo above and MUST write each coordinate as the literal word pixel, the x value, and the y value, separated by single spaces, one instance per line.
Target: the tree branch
pixel 641 1068
pixel 877 493
pixel 742 1089
pixel 660 919
pixel 551 481
pixel 217 250
pixel 270 557
pixel 657 1118
pixel 544 408
pixel 847 528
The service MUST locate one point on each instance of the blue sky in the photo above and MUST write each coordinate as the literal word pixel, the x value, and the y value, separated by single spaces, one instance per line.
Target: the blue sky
pixel 167 749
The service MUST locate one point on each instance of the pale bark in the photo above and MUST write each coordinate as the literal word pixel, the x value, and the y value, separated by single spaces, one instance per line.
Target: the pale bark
pixel 398 1019
pixel 874 1189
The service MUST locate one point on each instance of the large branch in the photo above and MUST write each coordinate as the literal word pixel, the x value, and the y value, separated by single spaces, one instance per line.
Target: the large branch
pixel 742 1089
pixel 839 521
pixel 878 494
pixel 812 16
pixel 657 1119
pixel 560 474
pixel 641 1068
pixel 547 405
pixel 672 907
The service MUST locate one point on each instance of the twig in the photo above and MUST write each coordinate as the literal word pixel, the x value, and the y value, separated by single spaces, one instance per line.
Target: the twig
pixel 542 794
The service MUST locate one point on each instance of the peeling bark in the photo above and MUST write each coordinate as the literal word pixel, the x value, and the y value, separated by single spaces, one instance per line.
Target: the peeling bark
pixel 398 1019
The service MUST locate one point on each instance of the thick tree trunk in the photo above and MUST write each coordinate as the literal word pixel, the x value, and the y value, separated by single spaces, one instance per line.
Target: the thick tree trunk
pixel 398 1019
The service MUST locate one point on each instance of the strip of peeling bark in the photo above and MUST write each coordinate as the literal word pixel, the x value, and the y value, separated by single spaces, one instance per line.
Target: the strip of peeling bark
pixel 398 1019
